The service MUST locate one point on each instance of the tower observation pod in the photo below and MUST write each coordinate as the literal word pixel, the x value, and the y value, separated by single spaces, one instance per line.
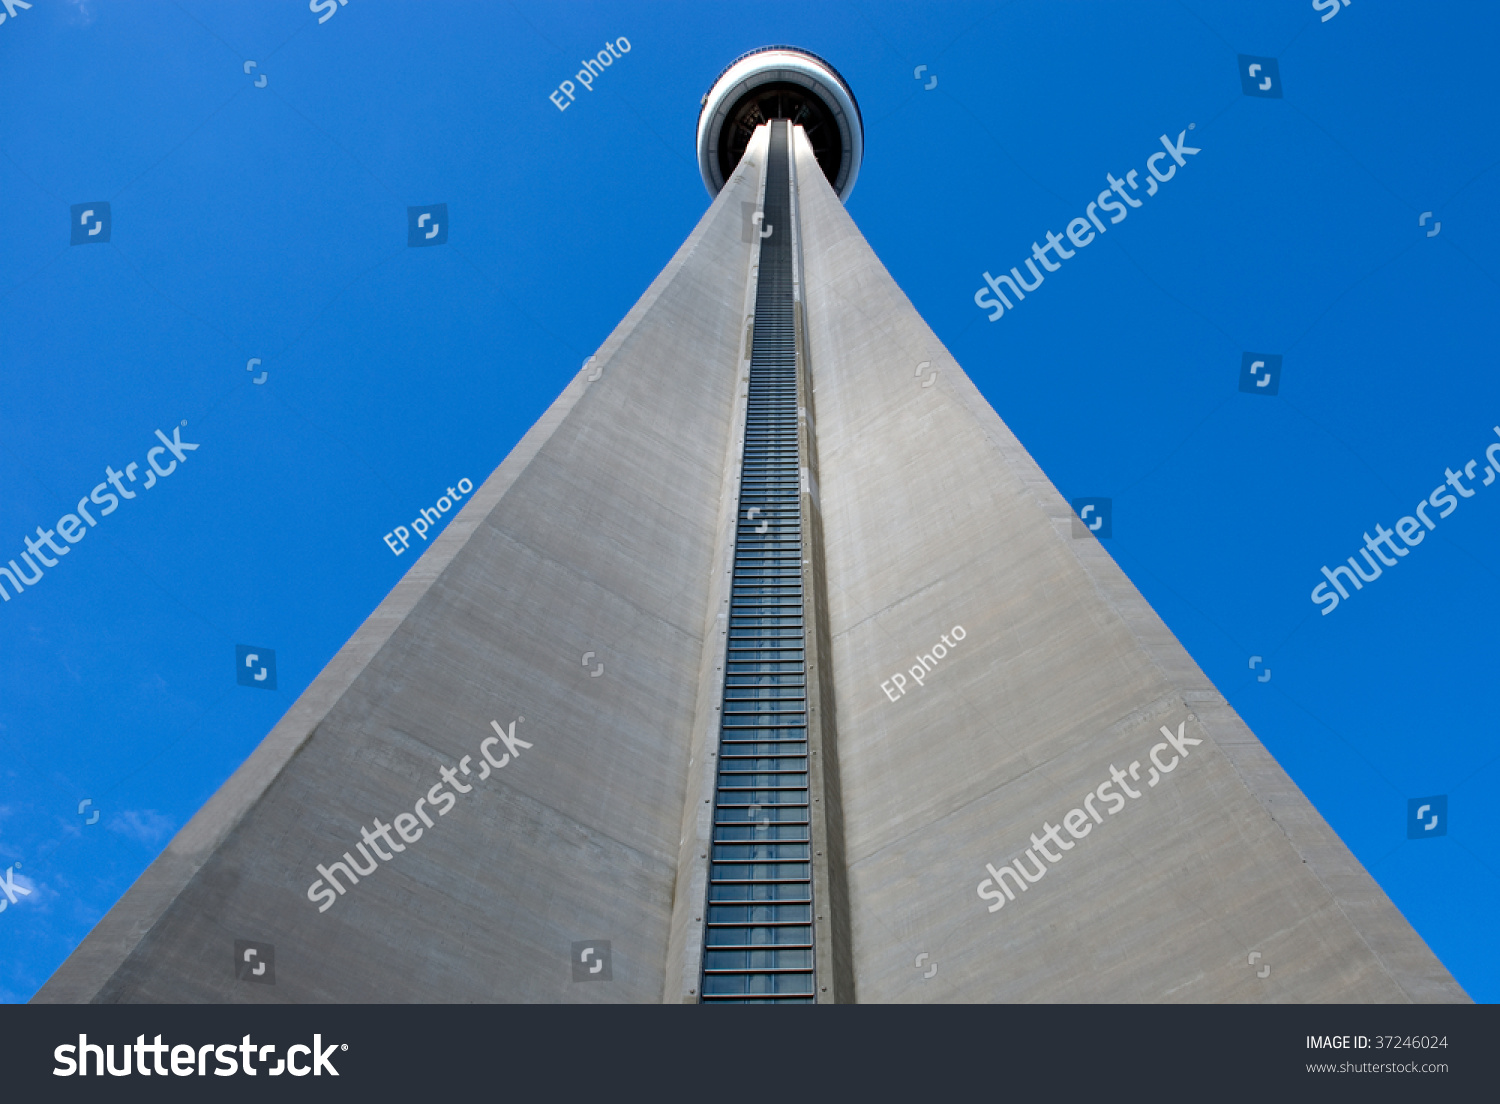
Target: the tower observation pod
pixel 781 82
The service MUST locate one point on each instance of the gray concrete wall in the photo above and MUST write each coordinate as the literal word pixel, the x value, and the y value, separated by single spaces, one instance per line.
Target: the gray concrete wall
pixel 597 534
pixel 935 516
pixel 833 944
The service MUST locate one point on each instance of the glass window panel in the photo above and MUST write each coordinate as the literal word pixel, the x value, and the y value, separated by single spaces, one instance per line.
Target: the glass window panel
pixel 793 983
pixel 740 871
pixel 787 763
pixel 769 959
pixel 747 832
pixel 789 935
pixel 769 849
pixel 766 818
pixel 759 891
pixel 793 746
pixel 724 960
pixel 781 935
pixel 781 958
pixel 770 801
pixel 732 780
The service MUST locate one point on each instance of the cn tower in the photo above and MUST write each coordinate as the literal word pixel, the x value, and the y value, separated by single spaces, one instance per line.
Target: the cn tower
pixel 769 667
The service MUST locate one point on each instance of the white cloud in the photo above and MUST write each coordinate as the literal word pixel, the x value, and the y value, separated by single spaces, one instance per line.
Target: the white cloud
pixel 142 825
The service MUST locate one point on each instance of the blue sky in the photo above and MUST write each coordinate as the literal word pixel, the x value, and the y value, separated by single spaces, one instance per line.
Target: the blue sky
pixel 270 222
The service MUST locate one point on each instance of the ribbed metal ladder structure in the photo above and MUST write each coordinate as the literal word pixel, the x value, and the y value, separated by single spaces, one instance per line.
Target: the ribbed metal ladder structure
pixel 758 931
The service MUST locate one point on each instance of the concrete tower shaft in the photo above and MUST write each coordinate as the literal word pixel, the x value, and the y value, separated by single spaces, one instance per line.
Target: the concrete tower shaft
pixel 1059 807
